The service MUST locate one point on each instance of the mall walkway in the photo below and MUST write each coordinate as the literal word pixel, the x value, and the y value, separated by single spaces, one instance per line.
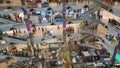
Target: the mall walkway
pixel 34 18
pixel 107 43
pixel 17 58
pixel 90 18
pixel 55 8
pixel 7 11
pixel 14 40
pixel 6 21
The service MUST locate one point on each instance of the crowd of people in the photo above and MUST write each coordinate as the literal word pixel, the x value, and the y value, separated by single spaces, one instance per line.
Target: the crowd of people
pixel 15 17
pixel 13 51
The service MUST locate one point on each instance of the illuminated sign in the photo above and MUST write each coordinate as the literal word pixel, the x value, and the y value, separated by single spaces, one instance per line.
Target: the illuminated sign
pixel 117 57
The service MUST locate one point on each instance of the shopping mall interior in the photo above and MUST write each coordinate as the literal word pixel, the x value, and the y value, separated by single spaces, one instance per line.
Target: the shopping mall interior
pixel 59 33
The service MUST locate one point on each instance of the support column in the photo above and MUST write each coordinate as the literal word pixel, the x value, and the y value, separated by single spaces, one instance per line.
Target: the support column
pixel 27 23
pixel 115 51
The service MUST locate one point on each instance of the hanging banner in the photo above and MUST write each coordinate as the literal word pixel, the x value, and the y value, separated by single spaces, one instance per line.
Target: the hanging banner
pixel 28 26
pixel 64 24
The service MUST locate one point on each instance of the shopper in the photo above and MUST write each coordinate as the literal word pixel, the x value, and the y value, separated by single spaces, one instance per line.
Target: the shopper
pixel 19 31
pixel 38 28
pixel 42 29
pixel 58 27
pixel 77 16
pixel 51 32
pixel 59 2
pixel 113 40
pixel 16 31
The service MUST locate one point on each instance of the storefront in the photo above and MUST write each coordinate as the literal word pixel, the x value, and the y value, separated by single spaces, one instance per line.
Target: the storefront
pixel 61 0
pixel 52 0
pixel 31 3
pixel 71 0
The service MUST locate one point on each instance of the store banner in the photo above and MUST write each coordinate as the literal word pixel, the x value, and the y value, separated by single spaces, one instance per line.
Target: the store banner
pixel 28 26
pixel 64 24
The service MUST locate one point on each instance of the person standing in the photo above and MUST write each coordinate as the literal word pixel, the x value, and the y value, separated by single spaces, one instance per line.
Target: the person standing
pixel 42 29
pixel 59 2
pixel 14 33
pixel 58 27
pixel 38 28
pixel 19 31
pixel 51 32
pixel 113 40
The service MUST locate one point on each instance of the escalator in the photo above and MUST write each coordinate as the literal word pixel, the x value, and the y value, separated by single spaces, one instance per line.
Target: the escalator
pixel 82 40
pixel 106 7
pixel 94 46
pixel 16 58
pixel 91 25
pixel 101 4
pixel 92 19
pixel 101 37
